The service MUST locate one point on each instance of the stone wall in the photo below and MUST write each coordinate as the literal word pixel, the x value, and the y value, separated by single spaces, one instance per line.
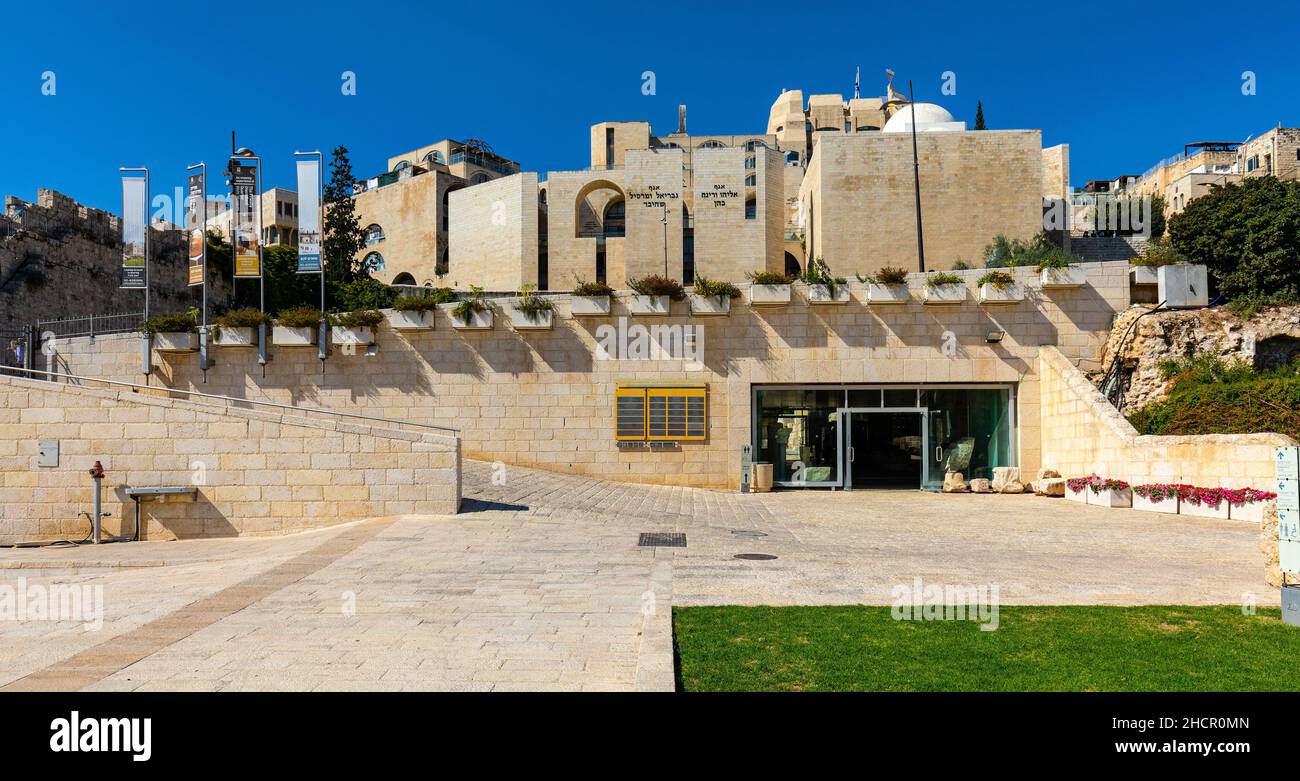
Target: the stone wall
pixel 59 259
pixel 1083 434
pixel 546 398
pixel 494 234
pixel 256 472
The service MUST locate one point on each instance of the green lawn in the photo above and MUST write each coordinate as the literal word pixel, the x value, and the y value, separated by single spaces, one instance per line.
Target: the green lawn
pixel 855 648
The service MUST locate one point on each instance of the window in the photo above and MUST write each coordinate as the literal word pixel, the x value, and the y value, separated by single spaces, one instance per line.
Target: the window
pixel 792 158
pixel 373 262
pixel 615 222
pixel 751 180
pixel 1252 163
pixel 404 279
pixel 479 178
pixel 435 157
pixel 402 166
pixel 713 144
pixel 660 414
pixel 374 235
pixel 751 209
pixel 609 146
pixel 751 145
pixel 750 162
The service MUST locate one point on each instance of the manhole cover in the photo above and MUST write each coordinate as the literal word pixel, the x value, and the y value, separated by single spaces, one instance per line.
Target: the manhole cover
pixel 755 556
pixel 662 540
pixel 747 533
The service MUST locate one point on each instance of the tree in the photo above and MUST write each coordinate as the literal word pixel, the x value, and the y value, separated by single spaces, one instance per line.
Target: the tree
pixel 979 115
pixel 285 287
pixel 343 237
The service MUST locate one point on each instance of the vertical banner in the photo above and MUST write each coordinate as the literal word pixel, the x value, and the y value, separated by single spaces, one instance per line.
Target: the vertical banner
pixel 309 197
pixel 134 209
pixel 246 206
pixel 195 218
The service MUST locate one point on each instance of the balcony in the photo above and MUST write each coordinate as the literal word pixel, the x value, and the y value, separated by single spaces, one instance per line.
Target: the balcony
pixel 498 165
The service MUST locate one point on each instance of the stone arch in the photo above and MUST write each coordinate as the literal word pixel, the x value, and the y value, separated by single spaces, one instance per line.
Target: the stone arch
pixel 792 267
pixel 404 278
pixel 589 210
pixel 1275 352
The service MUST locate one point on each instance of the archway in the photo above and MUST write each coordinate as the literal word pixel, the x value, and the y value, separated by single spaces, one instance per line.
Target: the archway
pixel 404 279
pixel 792 267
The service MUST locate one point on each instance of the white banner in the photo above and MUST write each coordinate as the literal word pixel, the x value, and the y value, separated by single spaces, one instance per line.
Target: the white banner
pixel 309 197
pixel 135 207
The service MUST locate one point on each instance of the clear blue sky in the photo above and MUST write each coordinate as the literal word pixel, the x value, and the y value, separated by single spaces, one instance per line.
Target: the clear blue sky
pixel 162 85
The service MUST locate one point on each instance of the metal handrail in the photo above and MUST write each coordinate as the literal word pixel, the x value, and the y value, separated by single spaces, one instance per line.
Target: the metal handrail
pixel 239 400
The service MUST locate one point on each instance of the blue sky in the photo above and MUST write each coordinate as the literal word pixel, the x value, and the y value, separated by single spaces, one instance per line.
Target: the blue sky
pixel 163 85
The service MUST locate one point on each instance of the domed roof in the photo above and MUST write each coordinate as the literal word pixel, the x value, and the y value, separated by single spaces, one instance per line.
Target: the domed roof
pixel 929 116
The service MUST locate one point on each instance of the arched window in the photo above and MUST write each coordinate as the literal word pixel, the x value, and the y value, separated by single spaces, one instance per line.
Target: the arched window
pixel 403 279
pixel 541 196
pixel 402 166
pixel 792 265
pixel 435 157
pixel 780 128
pixel 615 221
pixel 713 144
pixel 373 262
pixel 479 178
pixel 671 145
pixel 865 128
pixel 374 235
pixel 751 145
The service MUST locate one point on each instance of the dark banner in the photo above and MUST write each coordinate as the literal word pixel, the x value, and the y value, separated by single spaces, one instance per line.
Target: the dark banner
pixel 246 216
pixel 196 221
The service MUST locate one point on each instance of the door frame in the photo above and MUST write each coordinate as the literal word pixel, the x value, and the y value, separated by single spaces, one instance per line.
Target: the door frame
pixel 845 425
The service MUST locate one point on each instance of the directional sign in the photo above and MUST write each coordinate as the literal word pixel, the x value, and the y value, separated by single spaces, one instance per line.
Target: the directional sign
pixel 1288 508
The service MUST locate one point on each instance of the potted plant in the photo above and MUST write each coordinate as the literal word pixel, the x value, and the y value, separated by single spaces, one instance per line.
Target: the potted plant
pixel 174 333
pixel 768 288
pixel 297 327
pixel 590 299
pixel 415 312
pixel 1159 497
pixel 888 286
pixel 1247 504
pixel 1057 271
pixel 1144 269
pixel 823 286
pixel 712 297
pixel 355 329
pixel 654 294
pixel 1111 493
pixel 238 327
pixel 944 287
pixel 531 312
pixel 1205 503
pixel 471 313
pixel 1078 488
pixel 999 287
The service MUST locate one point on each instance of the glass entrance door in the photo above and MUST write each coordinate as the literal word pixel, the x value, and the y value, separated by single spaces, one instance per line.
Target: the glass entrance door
pixel 883 448
pixel 968 431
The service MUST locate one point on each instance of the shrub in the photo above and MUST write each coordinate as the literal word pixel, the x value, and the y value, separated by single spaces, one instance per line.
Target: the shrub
pixel 768 278
pixel 593 289
pixel 940 278
pixel 362 318
pixel 179 322
pixel 889 275
pixel 1158 252
pixel 361 294
pixel 424 302
pixel 655 285
pixel 1039 251
pixel 1054 261
pixel 1203 369
pixel 1264 403
pixel 247 317
pixel 960 265
pixel 819 273
pixel 466 307
pixel 1000 280
pixel 712 288
pixel 533 305
pixel 299 317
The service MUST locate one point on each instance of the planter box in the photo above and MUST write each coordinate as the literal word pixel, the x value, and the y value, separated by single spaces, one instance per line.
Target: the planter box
pixel 1011 294
pixel 888 294
pixel 541 321
pixel 360 336
pixel 650 305
pixel 821 294
pixel 1168 505
pixel 589 306
pixel 478 321
pixel 1071 276
pixel 710 306
pixel 226 336
pixel 1143 275
pixel 285 336
pixel 1252 512
pixel 1114 497
pixel 176 342
pixel 769 295
pixel 1204 510
pixel 945 294
pixel 407 320
pixel 1081 497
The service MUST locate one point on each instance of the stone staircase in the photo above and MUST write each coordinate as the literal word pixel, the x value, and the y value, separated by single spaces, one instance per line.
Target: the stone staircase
pixel 1102 248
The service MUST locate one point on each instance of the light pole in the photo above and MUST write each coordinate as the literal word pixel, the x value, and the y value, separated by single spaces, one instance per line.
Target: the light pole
pixel 916 177
pixel 665 222
pixel 202 205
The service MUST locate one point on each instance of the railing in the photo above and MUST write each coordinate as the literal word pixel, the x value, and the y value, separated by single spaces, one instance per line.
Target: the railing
pixel 236 400
pixel 95 325
pixel 483 161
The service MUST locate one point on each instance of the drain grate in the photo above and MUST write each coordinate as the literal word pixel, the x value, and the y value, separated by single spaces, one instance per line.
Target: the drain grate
pixel 754 556
pixel 747 533
pixel 662 540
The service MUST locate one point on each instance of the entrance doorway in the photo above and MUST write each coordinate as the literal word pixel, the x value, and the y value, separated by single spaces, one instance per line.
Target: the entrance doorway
pixel 884 448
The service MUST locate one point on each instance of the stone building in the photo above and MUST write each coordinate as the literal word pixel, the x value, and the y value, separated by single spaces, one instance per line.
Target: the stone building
pixel 279 218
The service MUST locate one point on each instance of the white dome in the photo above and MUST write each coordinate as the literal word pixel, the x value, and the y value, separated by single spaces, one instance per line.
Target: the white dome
pixel 929 116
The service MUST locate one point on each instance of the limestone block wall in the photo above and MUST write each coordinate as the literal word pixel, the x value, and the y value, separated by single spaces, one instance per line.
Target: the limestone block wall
pixel 1083 434
pixel 494 233
pixel 410 212
pixel 546 398
pixel 256 472
pixel 1056 171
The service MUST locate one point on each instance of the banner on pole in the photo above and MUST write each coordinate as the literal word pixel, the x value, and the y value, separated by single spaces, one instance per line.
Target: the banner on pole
pixel 246 205
pixel 195 219
pixel 134 210
pixel 309 217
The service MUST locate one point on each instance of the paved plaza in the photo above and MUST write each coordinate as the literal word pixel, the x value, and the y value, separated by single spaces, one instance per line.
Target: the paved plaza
pixel 540 583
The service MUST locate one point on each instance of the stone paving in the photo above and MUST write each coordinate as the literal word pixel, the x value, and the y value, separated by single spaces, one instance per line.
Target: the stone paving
pixel 539 583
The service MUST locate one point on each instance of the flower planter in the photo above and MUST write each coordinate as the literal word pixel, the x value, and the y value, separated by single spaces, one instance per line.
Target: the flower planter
pixel 992 294
pixel 650 305
pixel 589 306
pixel 1111 497
pixel 537 321
pixel 1143 275
pixel 710 306
pixel 821 294
pixel 1188 507
pixel 1077 496
pixel 1166 504
pixel 1250 512
pixel 1070 276
pixel 478 321
pixel 888 294
pixel 359 336
pixel 176 341
pixel 241 336
pixel 945 294
pixel 289 336
pixel 769 295
pixel 409 320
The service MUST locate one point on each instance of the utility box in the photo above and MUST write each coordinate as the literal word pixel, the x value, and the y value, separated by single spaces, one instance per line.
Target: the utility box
pixel 1183 285
pixel 47 452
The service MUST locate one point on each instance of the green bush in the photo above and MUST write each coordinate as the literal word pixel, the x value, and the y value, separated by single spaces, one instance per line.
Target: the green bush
pixel 247 317
pixel 998 279
pixel 362 318
pixel 424 302
pixel 655 285
pixel 299 317
pixel 1157 253
pixel 713 288
pixel 593 289
pixel 768 278
pixel 533 305
pixel 819 273
pixel 178 322
pixel 1210 395
pixel 1039 251
pixel 960 265
pixel 942 278
pixel 363 293
pixel 466 307
pixel 889 275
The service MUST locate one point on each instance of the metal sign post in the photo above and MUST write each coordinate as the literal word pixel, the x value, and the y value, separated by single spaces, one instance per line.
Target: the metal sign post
pixel 746 466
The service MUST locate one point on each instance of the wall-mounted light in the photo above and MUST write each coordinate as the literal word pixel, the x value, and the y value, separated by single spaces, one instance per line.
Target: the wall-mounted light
pixel 993 337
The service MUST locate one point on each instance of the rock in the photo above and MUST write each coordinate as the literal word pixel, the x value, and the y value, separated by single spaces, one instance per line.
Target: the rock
pixel 1012 487
pixel 1005 476
pixel 1051 486
pixel 981 486
pixel 1043 474
pixel 954 483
